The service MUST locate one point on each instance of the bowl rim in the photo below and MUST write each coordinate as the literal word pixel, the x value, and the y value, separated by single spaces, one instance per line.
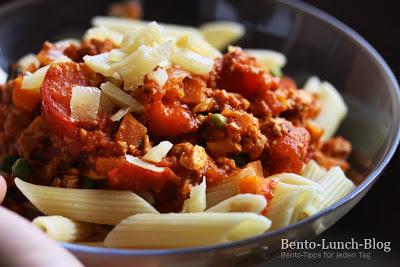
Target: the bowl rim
pixel 369 180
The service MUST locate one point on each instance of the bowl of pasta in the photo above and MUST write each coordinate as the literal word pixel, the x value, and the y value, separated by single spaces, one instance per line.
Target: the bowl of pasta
pixel 160 135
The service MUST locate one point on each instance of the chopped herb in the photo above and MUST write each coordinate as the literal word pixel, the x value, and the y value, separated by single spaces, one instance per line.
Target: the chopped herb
pixel 218 120
pixel 7 163
pixel 21 169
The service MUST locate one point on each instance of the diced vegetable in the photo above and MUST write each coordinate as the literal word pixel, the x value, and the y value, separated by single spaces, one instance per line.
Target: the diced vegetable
pixel 141 62
pixel 131 131
pixel 157 153
pixel 198 45
pixel 218 120
pixel 160 76
pixel 269 58
pixel 222 33
pixel 143 164
pixel 120 98
pixel 85 103
pixel 7 162
pixel 103 33
pixel 21 169
pixel 191 61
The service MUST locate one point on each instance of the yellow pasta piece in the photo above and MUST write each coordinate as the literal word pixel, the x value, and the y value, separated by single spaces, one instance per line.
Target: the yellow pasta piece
pixel 86 205
pixel 175 230
pixel 241 203
pixel 222 33
pixel 63 229
pixel 333 110
pixel 313 171
pixel 292 196
pixel 269 58
pixel 336 186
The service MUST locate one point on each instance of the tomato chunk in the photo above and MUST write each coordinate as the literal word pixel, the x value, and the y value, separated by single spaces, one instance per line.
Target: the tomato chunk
pixel 56 94
pixel 128 176
pixel 288 151
pixel 170 119
pixel 240 73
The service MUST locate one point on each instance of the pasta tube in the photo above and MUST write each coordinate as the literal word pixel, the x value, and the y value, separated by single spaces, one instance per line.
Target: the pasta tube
pixel 175 230
pixel 86 205
pixel 313 171
pixel 230 186
pixel 63 229
pixel 334 109
pixel 336 185
pixel 241 203
pixel 292 197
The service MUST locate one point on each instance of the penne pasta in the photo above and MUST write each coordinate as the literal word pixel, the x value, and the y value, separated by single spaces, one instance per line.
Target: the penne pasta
pixel 173 230
pixel 230 186
pixel 334 109
pixel 197 200
pixel 86 205
pixel 313 171
pixel 269 58
pixel 63 229
pixel 336 185
pixel 241 203
pixel 292 197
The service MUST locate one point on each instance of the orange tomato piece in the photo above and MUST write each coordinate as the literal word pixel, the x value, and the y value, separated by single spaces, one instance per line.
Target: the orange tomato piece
pixel 128 176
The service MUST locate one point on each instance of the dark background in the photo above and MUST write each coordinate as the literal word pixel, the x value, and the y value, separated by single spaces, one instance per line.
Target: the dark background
pixel 376 215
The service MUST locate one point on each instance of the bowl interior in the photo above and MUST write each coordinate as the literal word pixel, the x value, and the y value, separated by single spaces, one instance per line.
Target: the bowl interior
pixel 312 42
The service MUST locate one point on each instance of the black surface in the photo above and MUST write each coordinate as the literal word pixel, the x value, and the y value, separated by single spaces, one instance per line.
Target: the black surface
pixel 376 215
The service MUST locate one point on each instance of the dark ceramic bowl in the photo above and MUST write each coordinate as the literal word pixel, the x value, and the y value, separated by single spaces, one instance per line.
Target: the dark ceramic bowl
pixel 315 44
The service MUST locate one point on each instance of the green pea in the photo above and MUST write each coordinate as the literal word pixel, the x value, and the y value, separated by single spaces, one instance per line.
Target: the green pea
pixel 276 72
pixel 6 164
pixel 89 183
pixel 21 168
pixel 218 120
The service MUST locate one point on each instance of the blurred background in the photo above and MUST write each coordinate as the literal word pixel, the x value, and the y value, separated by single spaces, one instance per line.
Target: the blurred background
pixel 376 215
